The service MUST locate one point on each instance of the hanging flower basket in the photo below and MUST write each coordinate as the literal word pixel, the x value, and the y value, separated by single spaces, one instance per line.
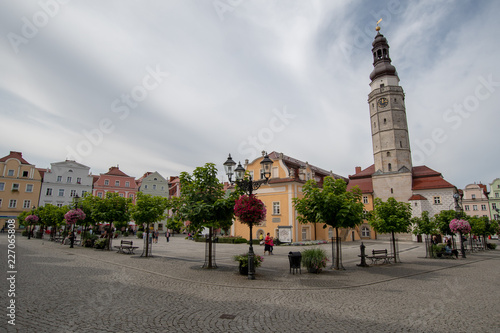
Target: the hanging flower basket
pixel 31 219
pixel 74 216
pixel 250 210
pixel 460 226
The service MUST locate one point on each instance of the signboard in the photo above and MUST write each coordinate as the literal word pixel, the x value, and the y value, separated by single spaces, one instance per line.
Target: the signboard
pixel 285 234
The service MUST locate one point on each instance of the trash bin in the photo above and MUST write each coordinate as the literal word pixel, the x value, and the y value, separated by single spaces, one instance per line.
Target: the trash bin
pixel 295 258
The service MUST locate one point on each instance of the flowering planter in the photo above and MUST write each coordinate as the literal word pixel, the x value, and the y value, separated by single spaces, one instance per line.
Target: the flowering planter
pixel 313 270
pixel 243 269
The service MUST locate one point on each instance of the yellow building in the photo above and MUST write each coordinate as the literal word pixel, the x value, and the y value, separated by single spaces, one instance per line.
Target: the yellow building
pixel 20 184
pixel 288 175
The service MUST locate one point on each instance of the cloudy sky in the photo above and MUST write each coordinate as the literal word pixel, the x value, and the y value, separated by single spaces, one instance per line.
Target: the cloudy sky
pixel 171 85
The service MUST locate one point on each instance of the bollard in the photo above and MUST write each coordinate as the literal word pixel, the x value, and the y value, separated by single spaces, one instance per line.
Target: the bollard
pixel 362 255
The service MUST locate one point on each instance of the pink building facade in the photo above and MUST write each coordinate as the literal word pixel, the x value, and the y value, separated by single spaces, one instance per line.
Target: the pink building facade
pixel 115 181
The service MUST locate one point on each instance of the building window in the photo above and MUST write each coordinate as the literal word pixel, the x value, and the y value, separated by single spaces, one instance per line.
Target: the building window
pixel 29 188
pixel 497 195
pixel 467 207
pixel 437 200
pixel 117 183
pixel 388 154
pixel 61 192
pixel 154 186
pixel 473 196
pixel 72 193
pixel 127 184
pixel 305 233
pixel 276 208
pixel 2 186
pixel 330 233
pixel 390 167
pixel 131 195
pixel 10 173
pixel 121 195
pixel 99 194
pixel 59 204
pixel 146 187
pixel 392 190
pixel 12 203
pixel 25 174
pixel 59 179
pixel 250 173
pixel 494 205
pixel 78 180
pixel 275 173
pixel 68 180
pixel 48 192
pixel 365 199
pixel 15 187
pixel 483 207
pixel 474 207
pixel 106 182
pixel 83 193
pixel 163 188
pixel 0 202
pixel 365 231
pixel 26 203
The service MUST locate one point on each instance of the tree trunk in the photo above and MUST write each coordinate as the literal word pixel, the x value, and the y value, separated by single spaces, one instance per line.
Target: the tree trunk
pixel 147 240
pixel 394 247
pixel 210 231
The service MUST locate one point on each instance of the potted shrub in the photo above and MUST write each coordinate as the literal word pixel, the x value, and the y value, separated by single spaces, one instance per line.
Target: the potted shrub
pixel 314 260
pixel 242 259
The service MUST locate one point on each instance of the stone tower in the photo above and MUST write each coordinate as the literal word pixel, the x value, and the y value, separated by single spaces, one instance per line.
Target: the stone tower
pixel 391 144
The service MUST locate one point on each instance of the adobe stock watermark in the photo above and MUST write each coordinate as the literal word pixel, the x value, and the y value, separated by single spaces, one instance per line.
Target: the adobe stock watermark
pixel 454 116
pixel 254 144
pixel 363 37
pixel 225 6
pixel 31 26
pixel 120 106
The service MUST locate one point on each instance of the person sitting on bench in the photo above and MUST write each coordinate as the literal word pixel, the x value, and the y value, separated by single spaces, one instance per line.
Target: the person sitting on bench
pixel 448 249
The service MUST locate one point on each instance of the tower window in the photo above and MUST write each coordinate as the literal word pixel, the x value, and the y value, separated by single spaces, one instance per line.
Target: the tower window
pixel 385 121
pixel 388 153
pixel 375 124
pixel 392 191
pixel 385 53
pixel 401 144
pixel 382 85
pixel 390 167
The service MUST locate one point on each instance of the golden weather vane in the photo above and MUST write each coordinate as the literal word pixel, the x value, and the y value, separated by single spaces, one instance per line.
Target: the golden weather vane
pixel 378 28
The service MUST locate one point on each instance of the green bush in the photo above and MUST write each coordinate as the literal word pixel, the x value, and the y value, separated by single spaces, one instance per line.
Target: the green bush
pixel 491 246
pixel 314 258
pixel 100 243
pixel 125 234
pixel 25 233
pixel 139 234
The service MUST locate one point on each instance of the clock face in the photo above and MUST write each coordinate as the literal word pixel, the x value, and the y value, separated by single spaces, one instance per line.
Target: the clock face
pixel 383 102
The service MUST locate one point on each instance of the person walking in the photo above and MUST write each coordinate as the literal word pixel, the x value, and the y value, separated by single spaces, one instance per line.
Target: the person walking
pixel 267 244
pixel 167 235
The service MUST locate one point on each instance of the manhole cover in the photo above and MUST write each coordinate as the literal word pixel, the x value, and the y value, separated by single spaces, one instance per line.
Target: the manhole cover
pixel 227 316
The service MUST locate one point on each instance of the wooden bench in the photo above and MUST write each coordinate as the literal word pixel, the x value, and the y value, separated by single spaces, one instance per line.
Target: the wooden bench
pixel 378 255
pixel 126 247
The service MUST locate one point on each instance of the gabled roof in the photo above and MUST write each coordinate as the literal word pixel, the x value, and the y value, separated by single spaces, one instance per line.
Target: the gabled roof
pixel 115 171
pixel 417 197
pixel 41 171
pixel 16 155
pixel 293 163
pixel 362 179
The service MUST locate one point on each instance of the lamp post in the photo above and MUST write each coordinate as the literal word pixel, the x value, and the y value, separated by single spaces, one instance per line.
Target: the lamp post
pixel 458 210
pixel 72 236
pixel 29 224
pixel 248 186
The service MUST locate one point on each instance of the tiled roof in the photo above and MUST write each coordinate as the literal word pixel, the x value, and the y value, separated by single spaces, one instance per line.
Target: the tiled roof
pixel 293 163
pixel 417 197
pixel 364 173
pixel 115 171
pixel 424 178
pixel 364 184
pixel 41 171
pixel 15 154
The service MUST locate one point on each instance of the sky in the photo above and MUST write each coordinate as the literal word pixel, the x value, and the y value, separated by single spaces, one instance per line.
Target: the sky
pixel 168 86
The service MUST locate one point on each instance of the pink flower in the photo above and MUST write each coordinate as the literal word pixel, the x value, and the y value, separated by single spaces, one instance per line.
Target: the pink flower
pixel 462 226
pixel 250 210
pixel 32 219
pixel 74 216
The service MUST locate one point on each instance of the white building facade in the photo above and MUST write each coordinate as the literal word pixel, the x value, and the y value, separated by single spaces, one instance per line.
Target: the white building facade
pixel 63 182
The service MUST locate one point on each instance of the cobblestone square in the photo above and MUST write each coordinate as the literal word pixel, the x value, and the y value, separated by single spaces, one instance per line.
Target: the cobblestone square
pixel 59 289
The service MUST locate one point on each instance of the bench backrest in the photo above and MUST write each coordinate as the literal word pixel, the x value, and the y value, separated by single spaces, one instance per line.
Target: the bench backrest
pixel 379 251
pixel 127 242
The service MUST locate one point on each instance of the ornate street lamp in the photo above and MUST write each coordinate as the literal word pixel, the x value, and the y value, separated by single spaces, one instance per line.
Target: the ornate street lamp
pixel 458 211
pixel 72 237
pixel 248 186
pixel 29 225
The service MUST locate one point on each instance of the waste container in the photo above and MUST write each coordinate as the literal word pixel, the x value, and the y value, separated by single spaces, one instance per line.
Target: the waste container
pixel 295 258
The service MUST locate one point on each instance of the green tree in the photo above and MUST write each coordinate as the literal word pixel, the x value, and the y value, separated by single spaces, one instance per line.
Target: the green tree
pixel 391 217
pixel 425 225
pixel 482 226
pixel 332 205
pixel 52 216
pixel 443 219
pixel 204 203
pixel 114 210
pixel 148 209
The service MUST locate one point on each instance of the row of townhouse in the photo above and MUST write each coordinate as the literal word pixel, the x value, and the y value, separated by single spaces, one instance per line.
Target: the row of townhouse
pixel 24 187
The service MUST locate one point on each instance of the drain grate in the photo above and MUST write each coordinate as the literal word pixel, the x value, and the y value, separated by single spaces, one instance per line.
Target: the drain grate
pixel 227 316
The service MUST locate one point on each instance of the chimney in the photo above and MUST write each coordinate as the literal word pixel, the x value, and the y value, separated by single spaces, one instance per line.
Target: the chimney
pixel 358 169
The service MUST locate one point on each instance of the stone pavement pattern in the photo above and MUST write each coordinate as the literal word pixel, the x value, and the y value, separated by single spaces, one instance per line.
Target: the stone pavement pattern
pixel 85 290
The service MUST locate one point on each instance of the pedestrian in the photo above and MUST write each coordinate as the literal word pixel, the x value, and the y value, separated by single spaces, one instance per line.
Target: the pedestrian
pixel 261 239
pixel 267 244
pixel 167 235
pixel 272 245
